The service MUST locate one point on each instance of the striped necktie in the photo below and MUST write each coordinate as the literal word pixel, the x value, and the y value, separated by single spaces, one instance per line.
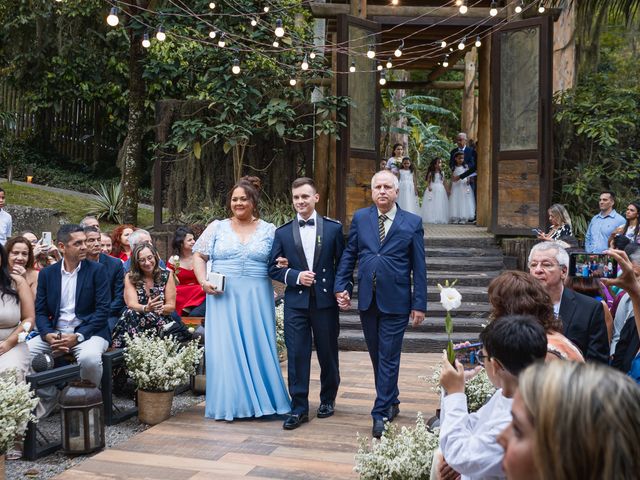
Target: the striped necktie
pixel 381 219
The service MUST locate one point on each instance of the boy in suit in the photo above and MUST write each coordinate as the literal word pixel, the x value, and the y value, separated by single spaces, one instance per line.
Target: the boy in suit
pixel 311 246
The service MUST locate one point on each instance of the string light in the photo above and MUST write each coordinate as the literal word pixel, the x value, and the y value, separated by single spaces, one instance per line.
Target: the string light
pixel 379 67
pixel 112 18
pixel 212 5
pixel 493 11
pixel 254 22
pixel 222 42
pixel 478 42
pixel 236 66
pixel 293 82
pixel 371 53
pixel 312 55
pixel 520 6
pixel 146 43
pixel 541 8
pixel 276 43
pixel 394 2
pixel 352 68
pixel 461 45
pixel 389 64
pixel 398 52
pixel 279 31
pixel 305 64
pixel 212 34
pixel 463 7
pixel 266 9
pixel 383 78
pixel 445 63
pixel 443 44
pixel 160 35
pixel 458 3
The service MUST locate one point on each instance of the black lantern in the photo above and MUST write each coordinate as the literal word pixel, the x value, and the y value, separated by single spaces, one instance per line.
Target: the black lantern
pixel 82 417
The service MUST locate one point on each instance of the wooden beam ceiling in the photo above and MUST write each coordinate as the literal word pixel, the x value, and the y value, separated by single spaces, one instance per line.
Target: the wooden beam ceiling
pixel 331 10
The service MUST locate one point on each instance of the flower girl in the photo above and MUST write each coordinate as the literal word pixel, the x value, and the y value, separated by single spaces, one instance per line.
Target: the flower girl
pixel 407 195
pixel 435 202
pixel 462 206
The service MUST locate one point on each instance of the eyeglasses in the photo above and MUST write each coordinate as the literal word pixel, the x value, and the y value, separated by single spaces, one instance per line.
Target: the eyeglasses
pixel 481 357
pixel 544 265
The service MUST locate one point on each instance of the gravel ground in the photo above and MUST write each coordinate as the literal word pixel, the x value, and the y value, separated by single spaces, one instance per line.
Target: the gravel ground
pixel 56 463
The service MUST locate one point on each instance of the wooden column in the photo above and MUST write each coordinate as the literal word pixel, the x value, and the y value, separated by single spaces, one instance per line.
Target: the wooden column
pixel 484 135
pixel 358 8
pixel 469 113
pixel 332 191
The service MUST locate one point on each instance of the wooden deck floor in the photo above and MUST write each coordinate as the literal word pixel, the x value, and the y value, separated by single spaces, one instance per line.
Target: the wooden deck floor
pixel 188 446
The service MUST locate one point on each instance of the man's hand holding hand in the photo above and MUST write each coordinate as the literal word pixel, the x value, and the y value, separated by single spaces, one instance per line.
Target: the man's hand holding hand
pixel 344 300
pixel 307 278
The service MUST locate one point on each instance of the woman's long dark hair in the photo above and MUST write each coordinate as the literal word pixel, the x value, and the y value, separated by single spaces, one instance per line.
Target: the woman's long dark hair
pixel 6 282
pixel 627 223
pixel 432 168
pixel 178 239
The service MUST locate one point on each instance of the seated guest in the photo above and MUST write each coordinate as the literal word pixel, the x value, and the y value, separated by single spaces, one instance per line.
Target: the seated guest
pixel 20 261
pixel 43 255
pixel 139 236
pixel 120 241
pixel 582 317
pixel 72 306
pixel 105 244
pixel 469 441
pixel 519 293
pixel 573 421
pixel 149 293
pixel 559 224
pixel 115 274
pixel 190 298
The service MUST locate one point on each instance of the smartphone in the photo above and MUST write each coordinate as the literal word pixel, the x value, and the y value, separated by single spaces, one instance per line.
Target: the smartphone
pixel 536 231
pixel 588 265
pixel 467 354
pixel 46 238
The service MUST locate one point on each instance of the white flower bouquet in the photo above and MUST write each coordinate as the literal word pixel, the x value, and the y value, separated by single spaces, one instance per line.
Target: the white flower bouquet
pixel 478 388
pixel 280 329
pixel 404 455
pixel 450 299
pixel 160 364
pixel 16 404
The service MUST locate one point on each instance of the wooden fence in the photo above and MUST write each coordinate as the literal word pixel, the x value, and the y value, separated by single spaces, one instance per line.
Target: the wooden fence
pixel 75 129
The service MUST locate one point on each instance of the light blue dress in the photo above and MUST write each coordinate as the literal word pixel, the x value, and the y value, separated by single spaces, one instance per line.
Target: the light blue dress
pixel 243 370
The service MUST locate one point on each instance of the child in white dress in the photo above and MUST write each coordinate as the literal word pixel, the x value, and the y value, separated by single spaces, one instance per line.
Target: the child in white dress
pixel 435 202
pixel 462 206
pixel 407 195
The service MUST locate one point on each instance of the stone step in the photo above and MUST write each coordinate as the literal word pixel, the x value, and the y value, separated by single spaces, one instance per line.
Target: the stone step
pixel 414 342
pixel 459 264
pixel 468 279
pixel 469 294
pixel 351 321
pixel 435 309
pixel 462 242
pixel 463 252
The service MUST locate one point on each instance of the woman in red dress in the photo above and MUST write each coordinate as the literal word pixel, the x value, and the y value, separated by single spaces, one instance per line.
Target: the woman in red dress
pixel 190 298
pixel 120 241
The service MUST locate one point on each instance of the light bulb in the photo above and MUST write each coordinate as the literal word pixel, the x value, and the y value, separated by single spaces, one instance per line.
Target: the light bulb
pixel 541 8
pixel 266 9
pixel 160 35
pixel 461 45
pixel 371 53
pixel 352 68
pixel 279 31
pixel 293 82
pixel 212 34
pixel 254 22
pixel 222 42
pixel 276 44
pixel 519 8
pixel 494 9
pixel 383 79
pixel 458 3
pixel 112 18
pixel 478 42
pixel 305 64
pixel 443 44
pixel 389 64
pixel 445 63
pixel 394 2
pixel 312 55
pixel 236 66
pixel 212 5
pixel 379 67
pixel 146 43
pixel 398 52
pixel 463 7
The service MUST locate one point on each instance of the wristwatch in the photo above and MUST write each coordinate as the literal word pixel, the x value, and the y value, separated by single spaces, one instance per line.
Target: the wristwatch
pixel 80 337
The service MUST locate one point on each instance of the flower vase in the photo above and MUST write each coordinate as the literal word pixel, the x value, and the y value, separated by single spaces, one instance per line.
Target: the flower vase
pixel 154 407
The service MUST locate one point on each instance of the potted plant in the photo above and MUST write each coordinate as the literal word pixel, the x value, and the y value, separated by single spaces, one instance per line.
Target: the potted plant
pixel 157 366
pixel 16 406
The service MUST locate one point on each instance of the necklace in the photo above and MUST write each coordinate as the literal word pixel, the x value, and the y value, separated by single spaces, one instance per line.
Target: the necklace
pixel 240 222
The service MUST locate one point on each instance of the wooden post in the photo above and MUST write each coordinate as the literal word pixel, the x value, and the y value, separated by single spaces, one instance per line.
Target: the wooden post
pixel 469 113
pixel 485 153
pixel 332 191
pixel 358 8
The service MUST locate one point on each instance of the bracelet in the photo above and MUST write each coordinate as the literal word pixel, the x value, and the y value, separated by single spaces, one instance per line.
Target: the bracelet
pixel 144 309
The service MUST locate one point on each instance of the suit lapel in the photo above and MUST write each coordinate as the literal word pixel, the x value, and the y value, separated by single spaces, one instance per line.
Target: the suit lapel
pixel 319 236
pixel 82 273
pixel 567 308
pixel 373 215
pixel 297 241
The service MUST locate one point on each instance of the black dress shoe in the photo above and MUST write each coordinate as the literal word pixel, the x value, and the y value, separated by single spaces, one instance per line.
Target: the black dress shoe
pixel 293 421
pixel 394 410
pixel 325 410
pixel 378 428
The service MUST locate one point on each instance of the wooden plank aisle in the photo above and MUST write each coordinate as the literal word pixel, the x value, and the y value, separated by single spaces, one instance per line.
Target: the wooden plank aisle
pixel 190 447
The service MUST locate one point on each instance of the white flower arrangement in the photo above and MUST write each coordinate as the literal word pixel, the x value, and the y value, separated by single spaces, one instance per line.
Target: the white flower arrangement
pixel 450 299
pixel 280 329
pixel 22 336
pixel 160 364
pixel 16 406
pixel 478 388
pixel 405 455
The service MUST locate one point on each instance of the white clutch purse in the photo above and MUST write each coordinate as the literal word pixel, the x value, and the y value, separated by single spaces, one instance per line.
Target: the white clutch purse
pixel 218 280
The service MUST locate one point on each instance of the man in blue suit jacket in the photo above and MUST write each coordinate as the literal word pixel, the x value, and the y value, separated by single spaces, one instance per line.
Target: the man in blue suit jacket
pixel 115 274
pixel 311 246
pixel 388 244
pixel 72 305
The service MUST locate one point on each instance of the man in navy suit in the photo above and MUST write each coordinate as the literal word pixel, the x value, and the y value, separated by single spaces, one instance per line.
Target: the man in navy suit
pixel 388 244
pixel 470 155
pixel 311 246
pixel 72 305
pixel 115 274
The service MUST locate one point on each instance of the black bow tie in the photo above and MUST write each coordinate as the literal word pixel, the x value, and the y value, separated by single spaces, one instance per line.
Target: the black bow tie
pixel 311 222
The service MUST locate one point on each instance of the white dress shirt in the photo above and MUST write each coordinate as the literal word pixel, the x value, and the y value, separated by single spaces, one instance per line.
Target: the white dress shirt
pixel 308 239
pixel 469 441
pixel 5 226
pixel 391 215
pixel 67 322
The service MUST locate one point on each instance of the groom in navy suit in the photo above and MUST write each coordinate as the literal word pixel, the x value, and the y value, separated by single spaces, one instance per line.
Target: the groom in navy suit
pixel 388 244
pixel 311 246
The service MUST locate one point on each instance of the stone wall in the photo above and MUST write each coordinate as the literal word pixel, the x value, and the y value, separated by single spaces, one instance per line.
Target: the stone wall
pixel 35 219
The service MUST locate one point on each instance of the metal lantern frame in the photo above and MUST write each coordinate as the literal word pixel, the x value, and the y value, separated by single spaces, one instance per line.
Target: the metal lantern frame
pixel 82 418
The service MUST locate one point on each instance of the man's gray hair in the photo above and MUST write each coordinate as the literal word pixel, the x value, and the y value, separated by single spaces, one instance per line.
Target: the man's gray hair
pixel 396 183
pixel 463 135
pixel 88 217
pixel 561 254
pixel 134 238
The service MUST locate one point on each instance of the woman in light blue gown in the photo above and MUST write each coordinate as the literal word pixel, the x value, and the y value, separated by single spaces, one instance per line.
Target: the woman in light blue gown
pixel 243 369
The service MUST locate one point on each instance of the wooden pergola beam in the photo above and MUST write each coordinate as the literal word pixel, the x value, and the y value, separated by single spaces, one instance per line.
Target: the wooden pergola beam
pixel 457 21
pixel 410 85
pixel 331 10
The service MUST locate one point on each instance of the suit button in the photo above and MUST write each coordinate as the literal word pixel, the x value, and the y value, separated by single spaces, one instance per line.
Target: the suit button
pixel 300 292
pixel 324 269
pixel 324 279
pixel 378 255
pixel 324 290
